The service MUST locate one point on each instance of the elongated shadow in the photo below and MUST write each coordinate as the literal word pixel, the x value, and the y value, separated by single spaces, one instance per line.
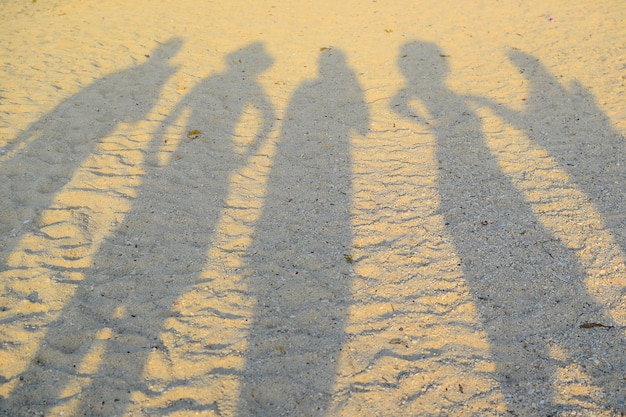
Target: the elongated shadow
pixel 94 356
pixel 43 159
pixel 567 122
pixel 530 316
pixel 300 256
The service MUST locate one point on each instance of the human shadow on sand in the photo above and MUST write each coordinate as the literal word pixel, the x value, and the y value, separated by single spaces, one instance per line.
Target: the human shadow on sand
pixel 43 158
pixel 94 356
pixel 575 131
pixel 301 274
pixel 507 255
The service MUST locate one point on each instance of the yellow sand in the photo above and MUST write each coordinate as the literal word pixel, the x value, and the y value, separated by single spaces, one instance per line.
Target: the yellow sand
pixel 376 208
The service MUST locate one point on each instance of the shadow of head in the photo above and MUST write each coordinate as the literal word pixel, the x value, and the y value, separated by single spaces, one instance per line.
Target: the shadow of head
pixel 524 61
pixel 422 61
pixel 252 59
pixel 166 50
pixel 330 61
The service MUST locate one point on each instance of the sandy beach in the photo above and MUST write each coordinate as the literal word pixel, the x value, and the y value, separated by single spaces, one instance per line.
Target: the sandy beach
pixel 290 208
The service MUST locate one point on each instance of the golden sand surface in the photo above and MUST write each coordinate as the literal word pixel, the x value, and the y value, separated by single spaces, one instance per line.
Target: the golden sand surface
pixel 290 208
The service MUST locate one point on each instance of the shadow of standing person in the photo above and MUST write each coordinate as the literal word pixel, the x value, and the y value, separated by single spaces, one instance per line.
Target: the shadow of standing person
pixel 301 275
pixel 153 257
pixel 43 158
pixel 573 129
pixel 507 255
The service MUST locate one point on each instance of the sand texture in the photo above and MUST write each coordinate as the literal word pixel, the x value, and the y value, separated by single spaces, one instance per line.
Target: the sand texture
pixel 313 208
